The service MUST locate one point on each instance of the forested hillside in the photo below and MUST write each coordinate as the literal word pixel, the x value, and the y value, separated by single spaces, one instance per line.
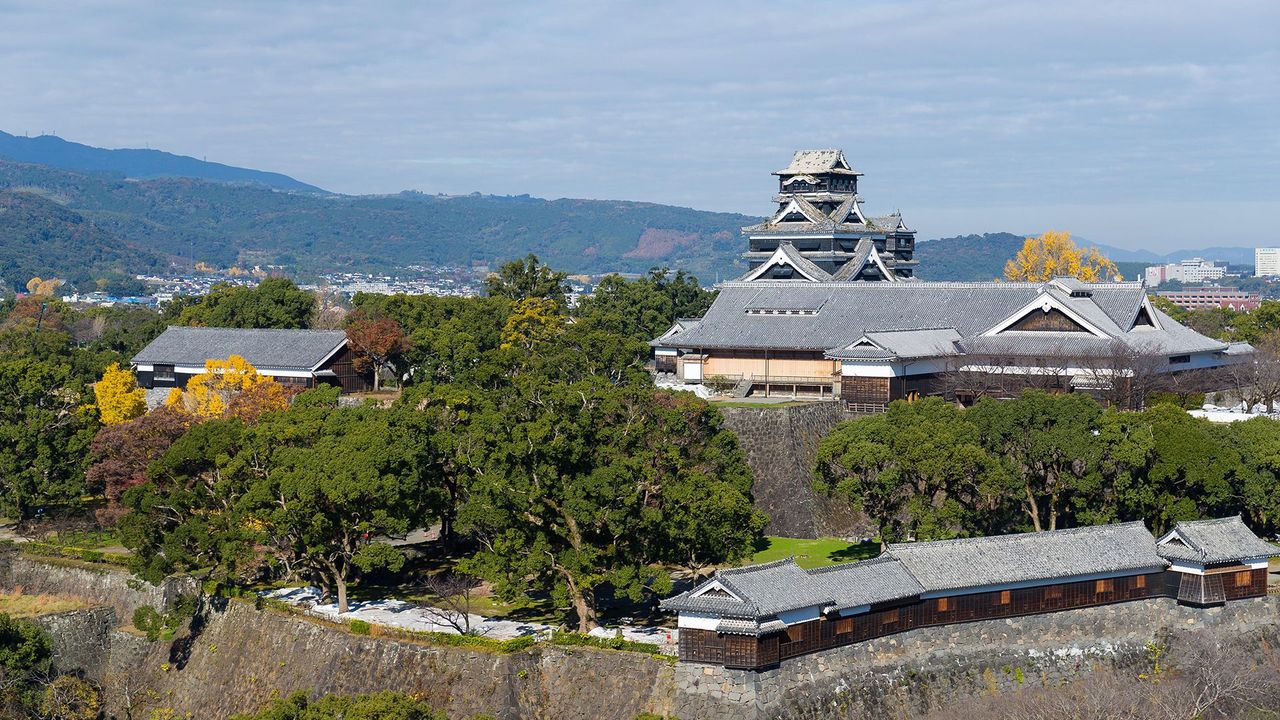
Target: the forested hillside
pixel 39 237
pixel 238 224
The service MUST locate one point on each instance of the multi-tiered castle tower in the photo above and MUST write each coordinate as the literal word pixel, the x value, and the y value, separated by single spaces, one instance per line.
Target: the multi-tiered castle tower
pixel 820 232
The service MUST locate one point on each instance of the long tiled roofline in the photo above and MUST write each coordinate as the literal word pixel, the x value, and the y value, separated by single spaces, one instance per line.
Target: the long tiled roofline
pixel 910 283
pixel 1013 537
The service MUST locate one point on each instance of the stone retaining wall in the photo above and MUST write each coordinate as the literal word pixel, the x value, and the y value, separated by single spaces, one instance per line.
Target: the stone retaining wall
pixel 781 444
pixel 924 668
pixel 96 585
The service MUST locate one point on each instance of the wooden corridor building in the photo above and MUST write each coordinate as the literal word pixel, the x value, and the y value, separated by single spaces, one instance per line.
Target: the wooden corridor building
pixel 755 617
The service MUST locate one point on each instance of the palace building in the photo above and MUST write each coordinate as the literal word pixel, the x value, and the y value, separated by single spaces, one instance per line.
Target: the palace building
pixel 757 616
pixel 830 308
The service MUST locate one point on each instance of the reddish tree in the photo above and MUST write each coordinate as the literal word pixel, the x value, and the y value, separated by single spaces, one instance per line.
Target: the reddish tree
pixel 376 344
pixel 249 405
pixel 120 454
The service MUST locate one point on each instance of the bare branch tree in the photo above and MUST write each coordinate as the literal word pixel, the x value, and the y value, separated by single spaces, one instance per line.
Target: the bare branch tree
pixel 450 601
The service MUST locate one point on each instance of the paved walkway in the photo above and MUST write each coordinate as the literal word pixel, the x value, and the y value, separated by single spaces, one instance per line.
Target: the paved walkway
pixel 400 614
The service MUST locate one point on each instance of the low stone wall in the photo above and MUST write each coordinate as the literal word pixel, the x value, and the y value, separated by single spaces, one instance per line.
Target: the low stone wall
pixel 95 585
pixel 922 669
pixel 781 444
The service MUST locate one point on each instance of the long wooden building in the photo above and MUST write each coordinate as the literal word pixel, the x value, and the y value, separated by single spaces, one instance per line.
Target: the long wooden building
pixel 755 617
pixel 294 357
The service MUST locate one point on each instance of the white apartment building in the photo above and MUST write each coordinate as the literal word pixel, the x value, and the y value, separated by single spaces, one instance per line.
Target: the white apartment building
pixel 1266 262
pixel 1192 270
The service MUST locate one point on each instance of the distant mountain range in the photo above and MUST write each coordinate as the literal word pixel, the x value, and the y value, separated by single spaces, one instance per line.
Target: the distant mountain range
pixel 55 152
pixel 89 214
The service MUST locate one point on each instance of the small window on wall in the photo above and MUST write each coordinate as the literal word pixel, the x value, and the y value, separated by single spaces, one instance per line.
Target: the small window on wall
pixel 1244 578
pixel 1179 359
pixel 163 372
pixel 889 617
pixel 1053 592
pixel 944 604
pixel 844 626
pixel 1103 586
pixel 1005 597
pixel 1140 581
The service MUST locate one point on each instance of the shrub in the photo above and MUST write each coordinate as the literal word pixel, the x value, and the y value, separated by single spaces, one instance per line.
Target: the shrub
pixel 611 643
pixel 360 627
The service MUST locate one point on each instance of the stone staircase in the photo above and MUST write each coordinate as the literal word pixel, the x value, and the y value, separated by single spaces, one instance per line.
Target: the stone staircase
pixel 743 388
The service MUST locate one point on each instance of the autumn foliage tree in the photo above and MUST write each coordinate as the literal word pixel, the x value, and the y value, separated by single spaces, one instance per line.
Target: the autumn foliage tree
pixel 377 343
pixel 209 394
pixel 1053 254
pixel 119 397
pixel 120 454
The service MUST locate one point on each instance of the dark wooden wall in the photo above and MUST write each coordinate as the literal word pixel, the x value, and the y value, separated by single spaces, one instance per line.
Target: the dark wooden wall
pixel 347 378
pixel 747 652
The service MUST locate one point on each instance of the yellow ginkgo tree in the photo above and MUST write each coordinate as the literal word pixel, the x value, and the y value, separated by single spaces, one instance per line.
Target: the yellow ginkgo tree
pixel 1054 254
pixel 119 397
pixel 209 394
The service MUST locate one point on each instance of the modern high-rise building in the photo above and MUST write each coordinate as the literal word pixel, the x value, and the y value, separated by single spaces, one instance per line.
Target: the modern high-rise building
pixel 1192 270
pixel 1266 262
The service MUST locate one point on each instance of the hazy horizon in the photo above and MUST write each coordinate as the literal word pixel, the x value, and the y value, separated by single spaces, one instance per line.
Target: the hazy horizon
pixel 1139 125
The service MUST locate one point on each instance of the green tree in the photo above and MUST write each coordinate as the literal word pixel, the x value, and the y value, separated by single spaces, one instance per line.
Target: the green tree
pixel 529 279
pixel 183 517
pixel 274 303
pixel 644 308
pixel 25 653
pixel 1049 445
pixel 1190 475
pixel 918 471
pixel 334 482
pixel 44 437
pixel 582 480
pixel 1258 481
pixel 377 706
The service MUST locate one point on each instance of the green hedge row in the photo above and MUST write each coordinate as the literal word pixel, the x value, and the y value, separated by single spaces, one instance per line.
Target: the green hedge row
pixel 43 549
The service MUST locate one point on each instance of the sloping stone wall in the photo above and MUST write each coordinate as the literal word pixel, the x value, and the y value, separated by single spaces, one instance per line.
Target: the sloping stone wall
pixel 922 669
pixel 781 444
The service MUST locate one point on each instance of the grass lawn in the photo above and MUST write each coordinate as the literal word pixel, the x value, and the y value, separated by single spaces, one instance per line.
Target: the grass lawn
pixel 29 606
pixel 814 553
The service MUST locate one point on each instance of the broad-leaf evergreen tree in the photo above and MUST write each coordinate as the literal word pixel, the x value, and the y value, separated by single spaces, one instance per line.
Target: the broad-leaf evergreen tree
pixel 274 303
pixel 644 308
pixel 529 279
pixel 1050 447
pixel 45 431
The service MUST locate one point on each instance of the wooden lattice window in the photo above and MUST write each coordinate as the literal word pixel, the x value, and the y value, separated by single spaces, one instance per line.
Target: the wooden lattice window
pixel 1140 581
pixel 1053 592
pixel 889 617
pixel 1103 586
pixel 944 604
pixel 1244 578
pixel 844 626
pixel 1005 597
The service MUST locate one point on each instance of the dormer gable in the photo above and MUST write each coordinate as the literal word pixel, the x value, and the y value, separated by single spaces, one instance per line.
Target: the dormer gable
pixel 1046 313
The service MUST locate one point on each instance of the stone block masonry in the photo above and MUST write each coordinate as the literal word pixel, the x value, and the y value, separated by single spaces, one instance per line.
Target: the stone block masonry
pixel 239 658
pixel 781 445
pixel 925 668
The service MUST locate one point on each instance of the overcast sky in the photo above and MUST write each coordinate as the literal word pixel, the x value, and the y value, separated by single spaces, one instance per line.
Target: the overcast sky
pixel 1139 124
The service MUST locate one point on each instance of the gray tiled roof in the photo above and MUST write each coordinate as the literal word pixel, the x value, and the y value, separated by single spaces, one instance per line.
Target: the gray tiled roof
pixel 809 162
pixel 275 349
pixel 907 570
pixel 926 342
pixel 1214 541
pixel 849 310
pixel 969 563
pixel 776 587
